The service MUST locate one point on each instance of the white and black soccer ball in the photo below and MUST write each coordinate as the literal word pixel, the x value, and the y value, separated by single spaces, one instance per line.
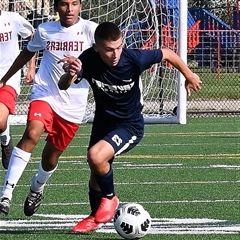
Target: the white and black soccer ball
pixel 132 221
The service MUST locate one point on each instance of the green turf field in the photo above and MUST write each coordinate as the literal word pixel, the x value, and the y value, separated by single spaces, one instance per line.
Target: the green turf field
pixel 186 176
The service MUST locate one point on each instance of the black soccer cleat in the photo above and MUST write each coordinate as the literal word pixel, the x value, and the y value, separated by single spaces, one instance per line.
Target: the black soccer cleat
pixel 32 202
pixel 5 204
pixel 6 154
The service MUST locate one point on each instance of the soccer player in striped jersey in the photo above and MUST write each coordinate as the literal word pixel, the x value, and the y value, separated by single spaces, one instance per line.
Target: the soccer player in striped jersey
pixel 55 112
pixel 12 26
pixel 113 73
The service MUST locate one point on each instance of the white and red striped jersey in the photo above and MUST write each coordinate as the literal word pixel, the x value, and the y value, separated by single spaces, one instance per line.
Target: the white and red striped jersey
pixel 57 41
pixel 12 25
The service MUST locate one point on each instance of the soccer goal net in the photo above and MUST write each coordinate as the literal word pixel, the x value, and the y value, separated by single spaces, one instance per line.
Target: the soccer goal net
pixel 146 24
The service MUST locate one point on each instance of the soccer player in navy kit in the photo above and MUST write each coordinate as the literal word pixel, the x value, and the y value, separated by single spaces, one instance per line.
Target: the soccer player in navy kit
pixel 113 73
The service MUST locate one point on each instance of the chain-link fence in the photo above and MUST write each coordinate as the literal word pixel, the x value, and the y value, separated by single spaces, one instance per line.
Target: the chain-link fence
pixel 36 12
pixel 212 53
pixel 216 59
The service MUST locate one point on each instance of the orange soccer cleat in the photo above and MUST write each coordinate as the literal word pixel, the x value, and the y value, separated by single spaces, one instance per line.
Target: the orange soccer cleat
pixel 86 225
pixel 106 209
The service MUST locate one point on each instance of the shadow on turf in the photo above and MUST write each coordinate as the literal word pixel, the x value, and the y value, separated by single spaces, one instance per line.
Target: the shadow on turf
pixel 68 234
pixel 229 137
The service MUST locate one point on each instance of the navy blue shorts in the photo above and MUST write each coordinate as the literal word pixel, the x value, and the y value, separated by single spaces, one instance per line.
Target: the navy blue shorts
pixel 122 135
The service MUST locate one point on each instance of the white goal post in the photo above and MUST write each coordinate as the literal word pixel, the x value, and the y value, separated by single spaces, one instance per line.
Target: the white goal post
pixel 148 24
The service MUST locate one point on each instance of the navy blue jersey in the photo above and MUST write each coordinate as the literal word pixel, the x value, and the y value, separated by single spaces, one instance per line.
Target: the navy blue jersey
pixel 116 89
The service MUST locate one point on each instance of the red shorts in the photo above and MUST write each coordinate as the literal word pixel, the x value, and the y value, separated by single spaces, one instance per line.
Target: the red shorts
pixel 60 131
pixel 8 97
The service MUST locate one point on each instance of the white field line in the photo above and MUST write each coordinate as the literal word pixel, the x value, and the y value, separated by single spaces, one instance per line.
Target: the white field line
pixel 159 226
pixel 142 167
pixel 158 202
pixel 195 201
pixel 163 144
pixel 168 156
pixel 231 134
pixel 82 158
pixel 228 134
pixel 141 183
pixel 182 144
pixel 148 166
pixel 146 145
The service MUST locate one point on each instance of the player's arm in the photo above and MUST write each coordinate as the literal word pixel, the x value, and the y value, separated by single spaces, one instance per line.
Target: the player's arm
pixel 31 66
pixel 66 80
pixel 23 57
pixel 72 67
pixel 193 82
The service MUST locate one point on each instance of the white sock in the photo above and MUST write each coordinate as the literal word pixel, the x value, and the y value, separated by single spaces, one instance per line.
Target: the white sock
pixel 5 136
pixel 17 164
pixel 40 179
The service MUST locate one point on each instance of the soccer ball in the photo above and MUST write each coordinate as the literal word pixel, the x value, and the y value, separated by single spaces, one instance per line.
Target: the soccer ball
pixel 132 221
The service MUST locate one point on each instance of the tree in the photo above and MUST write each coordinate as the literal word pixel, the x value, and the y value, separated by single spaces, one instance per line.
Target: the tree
pixel 221 8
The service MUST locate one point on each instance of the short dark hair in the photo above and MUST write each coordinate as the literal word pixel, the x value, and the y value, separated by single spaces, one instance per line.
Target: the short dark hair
pixel 107 31
pixel 56 4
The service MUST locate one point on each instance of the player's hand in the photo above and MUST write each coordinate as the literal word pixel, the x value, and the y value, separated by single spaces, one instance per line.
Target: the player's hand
pixel 1 83
pixel 193 83
pixel 29 76
pixel 71 65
